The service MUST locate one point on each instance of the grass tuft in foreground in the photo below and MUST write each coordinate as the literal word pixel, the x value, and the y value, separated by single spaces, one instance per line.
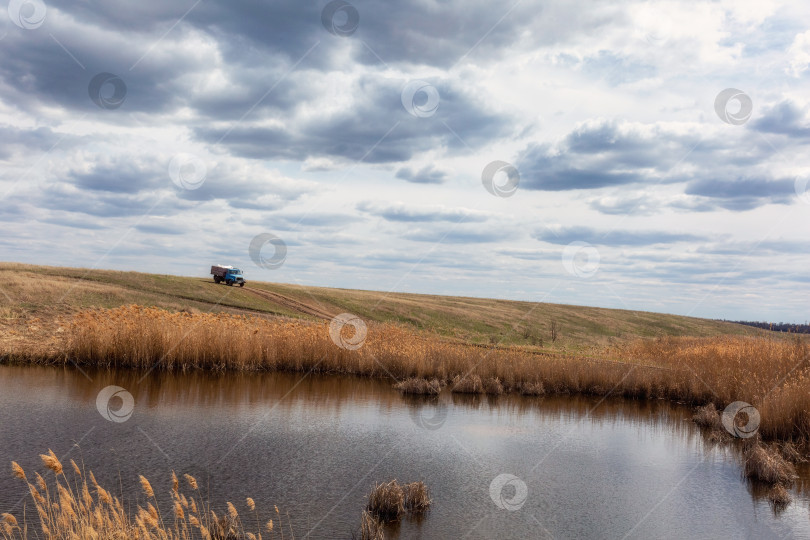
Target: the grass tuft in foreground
pixel 79 508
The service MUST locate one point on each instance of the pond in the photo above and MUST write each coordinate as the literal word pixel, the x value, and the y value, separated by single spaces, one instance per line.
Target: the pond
pixel 507 467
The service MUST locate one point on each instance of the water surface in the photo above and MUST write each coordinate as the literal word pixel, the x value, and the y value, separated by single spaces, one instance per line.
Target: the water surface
pixel 314 446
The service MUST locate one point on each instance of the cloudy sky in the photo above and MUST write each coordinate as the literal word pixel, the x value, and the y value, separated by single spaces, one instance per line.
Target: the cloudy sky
pixel 647 155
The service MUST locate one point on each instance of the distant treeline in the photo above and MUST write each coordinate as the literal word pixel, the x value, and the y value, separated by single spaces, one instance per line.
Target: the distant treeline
pixel 778 327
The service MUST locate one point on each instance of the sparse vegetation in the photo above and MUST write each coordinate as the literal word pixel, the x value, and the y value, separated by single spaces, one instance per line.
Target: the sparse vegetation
pixel 708 416
pixel 371 528
pixel 389 501
pixel 765 464
pixel 419 386
pixel 79 508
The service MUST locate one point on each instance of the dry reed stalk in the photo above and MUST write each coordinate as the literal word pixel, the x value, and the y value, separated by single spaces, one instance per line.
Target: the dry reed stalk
pixel 767 465
pixel 387 501
pixel 708 416
pixel 779 497
pixel 370 527
pixel 417 497
pixel 471 384
pixel 419 386
pixel 531 388
pixel 68 510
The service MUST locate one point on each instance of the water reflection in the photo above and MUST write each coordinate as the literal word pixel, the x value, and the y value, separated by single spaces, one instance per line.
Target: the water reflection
pixel 593 467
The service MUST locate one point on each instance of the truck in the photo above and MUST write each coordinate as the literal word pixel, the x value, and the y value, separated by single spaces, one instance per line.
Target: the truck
pixel 227 274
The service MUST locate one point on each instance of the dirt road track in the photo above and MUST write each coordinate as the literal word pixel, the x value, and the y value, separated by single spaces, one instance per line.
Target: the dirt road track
pixel 292 304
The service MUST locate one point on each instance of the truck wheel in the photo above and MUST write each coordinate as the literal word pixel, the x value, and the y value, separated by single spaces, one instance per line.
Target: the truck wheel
pixel 242 284
pixel 216 279
pixel 230 283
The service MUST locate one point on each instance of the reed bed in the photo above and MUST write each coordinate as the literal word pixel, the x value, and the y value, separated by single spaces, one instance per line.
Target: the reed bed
pixel 771 374
pixel 79 508
pixel 767 465
pixel 389 501
pixel 417 386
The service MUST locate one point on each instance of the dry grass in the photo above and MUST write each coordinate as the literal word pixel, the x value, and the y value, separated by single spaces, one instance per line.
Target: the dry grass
pixel 79 508
pixel 771 374
pixel 708 416
pixel 767 465
pixel 419 386
pixel 531 389
pixel 417 498
pixel 389 501
pixel 386 501
pixel 779 497
pixel 473 384
pixel 370 527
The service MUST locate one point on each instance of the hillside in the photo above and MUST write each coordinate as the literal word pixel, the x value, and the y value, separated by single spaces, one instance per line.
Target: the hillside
pixel 35 298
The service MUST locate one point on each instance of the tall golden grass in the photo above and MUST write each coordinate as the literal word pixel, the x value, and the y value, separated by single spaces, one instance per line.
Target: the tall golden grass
pixel 79 508
pixel 771 374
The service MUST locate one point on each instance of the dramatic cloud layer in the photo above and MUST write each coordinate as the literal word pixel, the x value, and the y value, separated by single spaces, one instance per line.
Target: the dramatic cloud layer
pixel 633 155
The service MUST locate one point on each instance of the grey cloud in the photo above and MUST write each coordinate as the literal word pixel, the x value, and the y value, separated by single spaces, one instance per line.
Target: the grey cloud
pixel 602 154
pixel 24 140
pixel 74 222
pixel 154 228
pixel 456 236
pixel 375 129
pixel 784 118
pixel 637 206
pixel 428 174
pixel 743 193
pixel 121 176
pixel 292 222
pixel 405 213
pixel 566 235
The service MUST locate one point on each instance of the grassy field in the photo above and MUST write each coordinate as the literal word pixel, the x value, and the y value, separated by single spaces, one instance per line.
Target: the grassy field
pixel 35 297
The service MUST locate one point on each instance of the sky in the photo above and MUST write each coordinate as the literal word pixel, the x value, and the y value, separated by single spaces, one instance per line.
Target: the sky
pixel 637 155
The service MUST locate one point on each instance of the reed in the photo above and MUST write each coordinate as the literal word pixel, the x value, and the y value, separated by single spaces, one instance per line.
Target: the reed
pixel 417 498
pixel 370 527
pixel 77 507
pixel 771 374
pixel 419 386
pixel 767 465
pixel 708 416
pixel 389 501
pixel 386 502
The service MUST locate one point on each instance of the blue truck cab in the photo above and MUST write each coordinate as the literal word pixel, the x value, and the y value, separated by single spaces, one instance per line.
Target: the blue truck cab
pixel 228 275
